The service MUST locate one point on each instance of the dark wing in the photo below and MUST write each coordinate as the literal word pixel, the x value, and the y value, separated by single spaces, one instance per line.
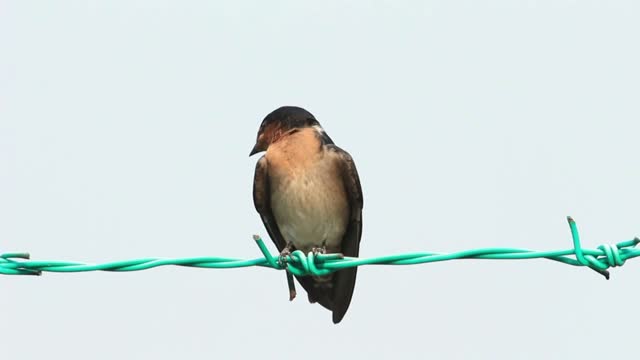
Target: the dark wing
pixel 262 202
pixel 344 280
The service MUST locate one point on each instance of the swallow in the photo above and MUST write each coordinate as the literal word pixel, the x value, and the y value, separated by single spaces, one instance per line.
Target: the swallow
pixel 308 194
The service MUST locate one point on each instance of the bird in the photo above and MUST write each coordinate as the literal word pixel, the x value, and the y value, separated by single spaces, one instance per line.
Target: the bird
pixel 308 194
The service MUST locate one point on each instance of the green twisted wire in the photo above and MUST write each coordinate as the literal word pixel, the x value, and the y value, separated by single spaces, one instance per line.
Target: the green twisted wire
pixel 600 259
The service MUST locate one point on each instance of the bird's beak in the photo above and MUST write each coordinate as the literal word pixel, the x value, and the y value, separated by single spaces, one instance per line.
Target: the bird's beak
pixel 256 149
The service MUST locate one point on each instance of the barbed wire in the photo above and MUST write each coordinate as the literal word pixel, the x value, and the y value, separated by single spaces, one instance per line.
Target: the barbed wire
pixel 298 263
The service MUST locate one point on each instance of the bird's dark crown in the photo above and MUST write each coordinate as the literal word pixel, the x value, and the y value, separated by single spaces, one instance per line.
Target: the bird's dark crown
pixel 287 118
pixel 283 121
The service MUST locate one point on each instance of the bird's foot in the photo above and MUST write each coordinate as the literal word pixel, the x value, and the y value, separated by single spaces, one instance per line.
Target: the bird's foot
pixel 319 250
pixel 284 254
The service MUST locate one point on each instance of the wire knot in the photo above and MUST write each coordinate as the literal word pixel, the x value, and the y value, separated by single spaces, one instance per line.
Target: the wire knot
pixel 611 255
pixel 300 264
pixel 297 263
pixel 607 255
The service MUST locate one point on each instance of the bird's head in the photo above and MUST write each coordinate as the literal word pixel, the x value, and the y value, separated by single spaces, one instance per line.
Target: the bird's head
pixel 283 121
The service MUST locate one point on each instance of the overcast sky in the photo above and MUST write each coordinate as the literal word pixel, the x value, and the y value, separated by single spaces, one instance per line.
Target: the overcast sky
pixel 124 133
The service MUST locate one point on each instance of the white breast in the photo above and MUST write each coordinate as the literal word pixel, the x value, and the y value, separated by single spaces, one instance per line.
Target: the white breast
pixel 310 204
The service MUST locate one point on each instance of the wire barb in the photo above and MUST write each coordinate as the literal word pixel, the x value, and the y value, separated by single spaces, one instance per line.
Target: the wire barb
pixel 299 264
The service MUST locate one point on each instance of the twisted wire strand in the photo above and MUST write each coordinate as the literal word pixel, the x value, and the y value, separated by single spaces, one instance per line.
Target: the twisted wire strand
pixel 298 263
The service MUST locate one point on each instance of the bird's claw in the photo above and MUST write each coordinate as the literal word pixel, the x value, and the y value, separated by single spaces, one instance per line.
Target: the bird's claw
pixel 319 250
pixel 284 255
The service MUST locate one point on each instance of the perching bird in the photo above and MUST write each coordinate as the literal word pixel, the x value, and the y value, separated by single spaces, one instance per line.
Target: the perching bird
pixel 308 194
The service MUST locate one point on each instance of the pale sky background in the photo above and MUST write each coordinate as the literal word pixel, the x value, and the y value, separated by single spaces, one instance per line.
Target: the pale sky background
pixel 124 133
